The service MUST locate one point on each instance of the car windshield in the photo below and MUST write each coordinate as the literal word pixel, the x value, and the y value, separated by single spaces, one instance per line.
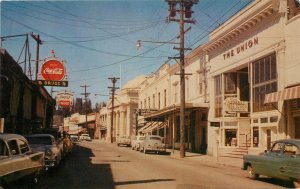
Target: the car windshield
pixel 155 138
pixel 40 140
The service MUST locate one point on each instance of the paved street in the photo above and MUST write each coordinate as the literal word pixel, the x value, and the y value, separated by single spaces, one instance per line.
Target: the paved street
pixel 104 165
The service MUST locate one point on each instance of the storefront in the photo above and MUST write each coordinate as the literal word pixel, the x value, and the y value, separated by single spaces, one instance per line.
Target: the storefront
pixel 249 57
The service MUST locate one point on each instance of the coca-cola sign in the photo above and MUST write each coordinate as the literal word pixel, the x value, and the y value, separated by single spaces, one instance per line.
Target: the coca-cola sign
pixel 53 70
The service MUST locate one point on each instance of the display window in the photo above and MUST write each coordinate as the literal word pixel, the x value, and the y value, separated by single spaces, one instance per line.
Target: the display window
pixel 230 137
pixel 255 137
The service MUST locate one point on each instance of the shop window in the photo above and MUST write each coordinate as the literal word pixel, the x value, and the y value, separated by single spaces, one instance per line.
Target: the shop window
pixel 218 96
pixel 264 82
pixel 230 137
pixel 255 137
pixel 230 83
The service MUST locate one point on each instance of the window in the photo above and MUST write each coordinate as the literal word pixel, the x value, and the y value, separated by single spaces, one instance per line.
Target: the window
pixel 230 83
pixel 175 93
pixel 158 100
pixel 230 137
pixel 290 149
pixel 255 136
pixel 3 149
pixel 277 147
pixel 13 147
pixel 264 82
pixel 149 102
pixel 165 98
pixel 218 96
pixel 153 100
pixel 23 146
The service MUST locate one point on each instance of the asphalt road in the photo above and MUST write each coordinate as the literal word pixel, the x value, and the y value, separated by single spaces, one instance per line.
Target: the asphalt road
pixel 106 166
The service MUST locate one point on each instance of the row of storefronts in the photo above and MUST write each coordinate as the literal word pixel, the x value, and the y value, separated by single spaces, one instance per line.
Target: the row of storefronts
pixel 24 106
pixel 242 91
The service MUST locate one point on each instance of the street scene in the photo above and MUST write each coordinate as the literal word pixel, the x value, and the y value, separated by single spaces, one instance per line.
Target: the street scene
pixel 178 94
pixel 103 165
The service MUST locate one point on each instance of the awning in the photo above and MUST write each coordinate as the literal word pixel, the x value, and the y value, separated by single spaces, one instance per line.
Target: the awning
pixel 286 94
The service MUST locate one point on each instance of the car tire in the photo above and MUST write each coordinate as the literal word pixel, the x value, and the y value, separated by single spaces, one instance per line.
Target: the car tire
pixel 251 173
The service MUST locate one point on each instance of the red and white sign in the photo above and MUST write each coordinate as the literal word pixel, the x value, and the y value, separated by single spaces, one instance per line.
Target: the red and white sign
pixel 64 99
pixel 53 70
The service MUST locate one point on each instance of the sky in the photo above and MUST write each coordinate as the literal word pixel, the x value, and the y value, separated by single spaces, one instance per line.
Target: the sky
pixel 97 39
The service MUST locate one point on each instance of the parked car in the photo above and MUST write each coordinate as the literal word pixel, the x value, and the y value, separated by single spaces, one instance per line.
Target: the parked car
pixel 85 137
pixel 152 143
pixel 17 159
pixel 123 140
pixel 281 162
pixel 135 143
pixel 46 143
pixel 74 138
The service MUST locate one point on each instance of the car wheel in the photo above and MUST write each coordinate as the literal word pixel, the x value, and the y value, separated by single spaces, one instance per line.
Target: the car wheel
pixel 251 173
pixel 296 184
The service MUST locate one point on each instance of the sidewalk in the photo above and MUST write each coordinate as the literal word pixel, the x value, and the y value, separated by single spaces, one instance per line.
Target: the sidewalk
pixel 226 161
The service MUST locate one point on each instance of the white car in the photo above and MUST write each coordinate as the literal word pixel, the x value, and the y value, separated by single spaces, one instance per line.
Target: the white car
pixel 153 143
pixel 135 143
pixel 85 137
pixel 123 140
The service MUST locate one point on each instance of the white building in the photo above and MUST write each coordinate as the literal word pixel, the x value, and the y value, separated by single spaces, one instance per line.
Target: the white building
pixel 253 54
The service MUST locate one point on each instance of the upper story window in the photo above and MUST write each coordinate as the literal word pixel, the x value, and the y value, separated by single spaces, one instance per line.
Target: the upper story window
pixel 230 83
pixel 165 98
pixel 264 81
pixel 153 100
pixel 158 100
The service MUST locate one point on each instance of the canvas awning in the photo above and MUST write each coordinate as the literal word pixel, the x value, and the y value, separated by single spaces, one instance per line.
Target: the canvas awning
pixel 286 94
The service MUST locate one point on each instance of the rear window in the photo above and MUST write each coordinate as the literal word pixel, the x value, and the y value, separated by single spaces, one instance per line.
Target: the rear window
pixel 40 140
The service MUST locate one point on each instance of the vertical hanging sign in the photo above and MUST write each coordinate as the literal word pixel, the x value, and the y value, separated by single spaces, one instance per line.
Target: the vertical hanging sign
pixel 53 73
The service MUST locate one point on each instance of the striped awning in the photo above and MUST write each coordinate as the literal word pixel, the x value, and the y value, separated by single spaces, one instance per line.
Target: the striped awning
pixel 286 94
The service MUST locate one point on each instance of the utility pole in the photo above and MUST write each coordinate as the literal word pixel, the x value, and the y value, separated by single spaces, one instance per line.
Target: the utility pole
pixel 113 89
pixel 38 43
pixel 85 96
pixel 184 11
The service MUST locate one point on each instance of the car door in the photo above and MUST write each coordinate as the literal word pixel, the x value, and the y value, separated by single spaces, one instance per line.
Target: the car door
pixel 270 163
pixel 290 163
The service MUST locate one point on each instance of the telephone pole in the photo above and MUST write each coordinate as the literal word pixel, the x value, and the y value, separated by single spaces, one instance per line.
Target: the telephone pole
pixel 185 11
pixel 113 89
pixel 85 96
pixel 38 43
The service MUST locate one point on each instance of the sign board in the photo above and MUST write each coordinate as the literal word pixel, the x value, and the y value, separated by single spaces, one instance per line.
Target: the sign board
pixel 64 99
pixel 215 124
pixel 232 104
pixel 53 73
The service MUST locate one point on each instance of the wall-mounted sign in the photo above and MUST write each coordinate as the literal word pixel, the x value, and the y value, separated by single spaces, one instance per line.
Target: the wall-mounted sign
pixel 232 104
pixel 215 124
pixel 241 48
pixel 53 73
pixel 64 99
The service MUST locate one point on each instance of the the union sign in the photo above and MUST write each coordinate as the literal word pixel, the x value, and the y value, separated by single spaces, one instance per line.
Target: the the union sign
pixel 232 104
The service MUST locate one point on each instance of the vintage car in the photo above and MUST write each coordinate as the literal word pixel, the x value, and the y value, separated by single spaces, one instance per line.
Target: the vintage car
pixel 135 143
pixel 85 137
pixel 123 140
pixel 281 162
pixel 17 160
pixel 152 143
pixel 46 143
